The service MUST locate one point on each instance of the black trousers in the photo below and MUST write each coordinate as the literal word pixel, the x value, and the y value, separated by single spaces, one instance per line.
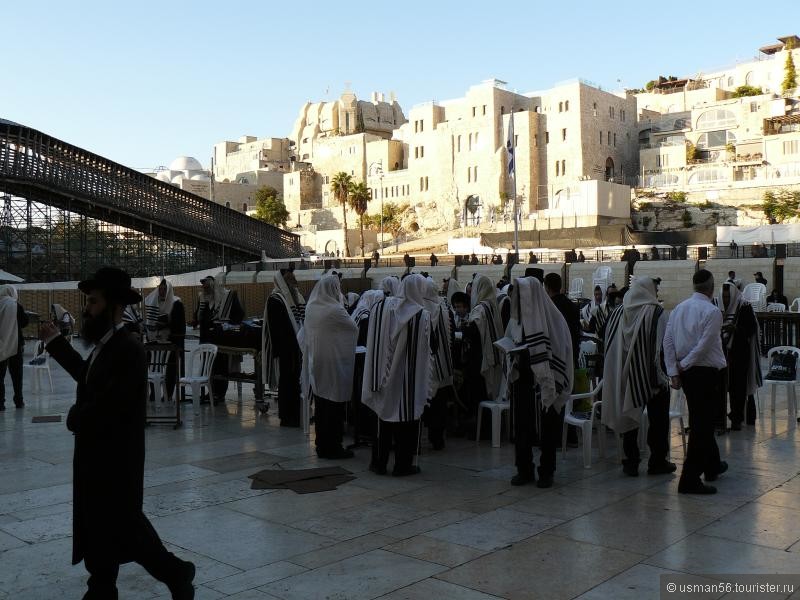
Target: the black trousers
pixel 219 387
pixel 702 388
pixel 289 390
pixel 14 366
pixel 329 424
pixel 148 551
pixel 435 416
pixel 657 433
pixel 403 436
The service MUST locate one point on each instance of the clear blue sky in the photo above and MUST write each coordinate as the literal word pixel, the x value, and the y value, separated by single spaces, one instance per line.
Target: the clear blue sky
pixel 143 82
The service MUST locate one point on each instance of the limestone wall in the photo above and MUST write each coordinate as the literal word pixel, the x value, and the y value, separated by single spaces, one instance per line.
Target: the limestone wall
pixel 586 270
pixel 744 267
pixel 791 278
pixel 676 278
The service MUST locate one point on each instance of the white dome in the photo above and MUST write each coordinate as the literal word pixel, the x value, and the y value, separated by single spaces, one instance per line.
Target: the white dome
pixel 185 163
pixel 164 176
pixel 176 179
pixel 200 177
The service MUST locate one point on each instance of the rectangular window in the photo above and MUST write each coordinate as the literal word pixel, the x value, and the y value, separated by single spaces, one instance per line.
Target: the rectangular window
pixel 754 107
pixel 791 147
pixel 421 126
pixel 476 139
pixel 558 168
pixel 564 135
pixel 469 174
pixel 563 167
pixel 546 137
pixel 615 140
pixel 601 138
pixel 416 151
pixel 475 174
pixel 458 144
pixel 516 141
pixel 426 183
pixel 535 140
pixel 608 141
pixel 422 151
pixel 474 110
pixel 717 138
pixel 484 109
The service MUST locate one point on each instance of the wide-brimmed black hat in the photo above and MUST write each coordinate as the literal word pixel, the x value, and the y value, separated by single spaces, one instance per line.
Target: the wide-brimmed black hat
pixel 115 284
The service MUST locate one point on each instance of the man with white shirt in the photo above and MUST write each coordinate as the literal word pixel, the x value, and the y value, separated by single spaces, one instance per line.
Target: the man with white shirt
pixel 694 360
pixel 108 419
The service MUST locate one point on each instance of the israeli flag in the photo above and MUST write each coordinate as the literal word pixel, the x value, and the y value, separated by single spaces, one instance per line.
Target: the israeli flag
pixel 510 145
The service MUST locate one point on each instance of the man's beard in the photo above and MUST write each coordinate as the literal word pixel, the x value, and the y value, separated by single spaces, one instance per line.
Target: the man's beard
pixel 94 328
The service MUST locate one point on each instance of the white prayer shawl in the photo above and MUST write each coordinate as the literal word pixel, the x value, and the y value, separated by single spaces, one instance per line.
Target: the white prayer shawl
pixel 218 303
pixel 537 325
pixel 632 372
pixel 391 286
pixel 589 310
pixel 730 315
pixel 9 335
pixel 440 330
pixel 365 304
pixel 453 286
pixel 398 367
pixel 350 299
pixel 154 308
pixel 328 343
pixel 486 316
pixel 294 302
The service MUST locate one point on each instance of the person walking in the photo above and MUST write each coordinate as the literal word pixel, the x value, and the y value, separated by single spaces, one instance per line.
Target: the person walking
pixel 12 343
pixel 694 360
pixel 108 420
pixel 633 377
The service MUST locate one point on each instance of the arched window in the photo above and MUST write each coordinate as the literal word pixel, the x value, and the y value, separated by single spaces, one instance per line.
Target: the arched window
pixel 560 107
pixel 566 106
pixel 716 119
pixel 244 207
pixel 715 139
pixel 708 176
pixel 730 81
pixel 750 78
pixel 227 205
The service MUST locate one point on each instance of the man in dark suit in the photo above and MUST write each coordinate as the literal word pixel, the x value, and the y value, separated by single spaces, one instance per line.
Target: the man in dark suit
pixel 108 419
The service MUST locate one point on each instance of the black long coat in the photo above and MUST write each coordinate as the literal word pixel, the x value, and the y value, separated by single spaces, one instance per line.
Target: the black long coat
pixel 108 421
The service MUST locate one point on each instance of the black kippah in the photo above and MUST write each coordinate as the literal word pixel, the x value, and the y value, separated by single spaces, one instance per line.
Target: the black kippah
pixel 701 276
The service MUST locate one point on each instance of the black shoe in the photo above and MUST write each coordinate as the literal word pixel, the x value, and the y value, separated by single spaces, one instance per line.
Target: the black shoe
pixel 377 469
pixel 335 453
pixel 405 471
pixel 664 468
pixel 545 481
pixel 696 488
pixel 523 479
pixel 19 403
pixel 723 466
pixel 183 589
pixel 631 470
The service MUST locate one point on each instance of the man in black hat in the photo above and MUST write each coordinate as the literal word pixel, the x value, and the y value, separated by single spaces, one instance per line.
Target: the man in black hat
pixel 760 278
pixel 108 418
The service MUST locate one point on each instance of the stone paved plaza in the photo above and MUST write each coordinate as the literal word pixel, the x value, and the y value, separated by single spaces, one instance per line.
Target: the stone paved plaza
pixel 457 531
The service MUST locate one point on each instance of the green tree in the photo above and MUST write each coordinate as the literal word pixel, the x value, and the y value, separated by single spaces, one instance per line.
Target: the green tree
pixel 746 90
pixel 779 206
pixel 392 218
pixel 358 200
pixel 340 186
pixel 270 208
pixel 790 73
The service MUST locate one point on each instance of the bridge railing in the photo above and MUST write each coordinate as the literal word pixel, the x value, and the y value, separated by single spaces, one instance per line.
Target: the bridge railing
pixel 30 157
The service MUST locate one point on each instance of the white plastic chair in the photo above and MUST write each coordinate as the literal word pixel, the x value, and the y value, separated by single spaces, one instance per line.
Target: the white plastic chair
pixel 677 411
pixel 756 295
pixel 576 288
pixel 795 305
pixel 776 307
pixel 791 398
pixel 40 364
pixel 198 373
pixel 499 408
pixel 603 276
pixel 157 372
pixel 584 425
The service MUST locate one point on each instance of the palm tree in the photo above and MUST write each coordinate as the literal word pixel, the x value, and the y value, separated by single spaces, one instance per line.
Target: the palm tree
pixel 358 200
pixel 340 186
